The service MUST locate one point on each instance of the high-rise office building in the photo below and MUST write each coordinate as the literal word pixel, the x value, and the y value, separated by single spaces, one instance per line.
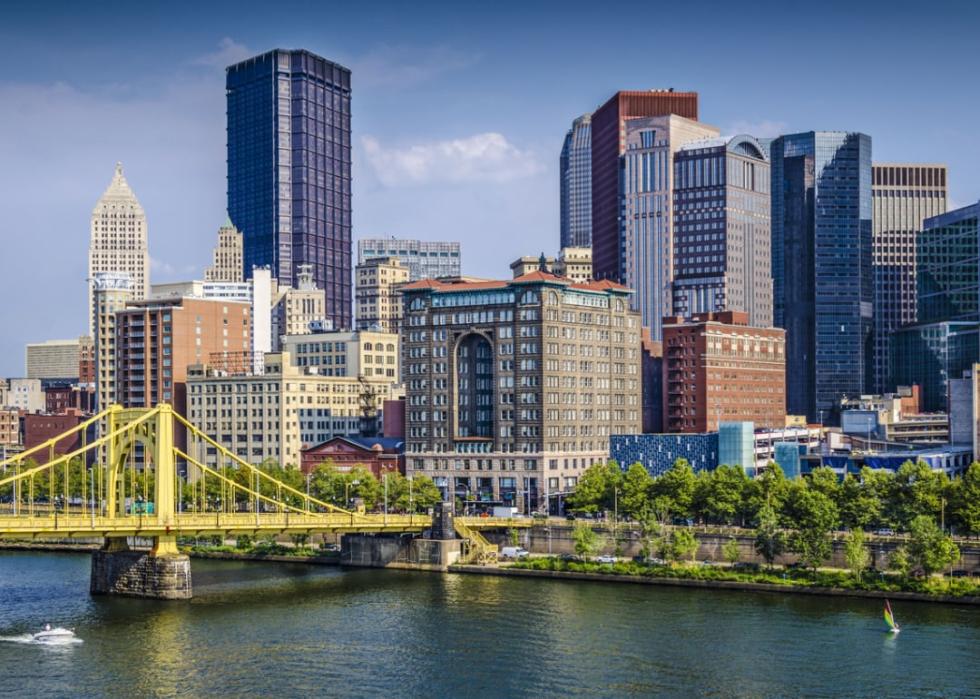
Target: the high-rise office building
pixel 289 170
pixel 298 311
pixel 722 231
pixel 608 144
pixel 903 196
pixel 944 342
pixel 575 184
pixel 821 265
pixel 118 241
pixel 112 292
pixel 226 263
pixel 514 387
pixel 379 301
pixel 425 259
pixel 646 221
pixel 54 359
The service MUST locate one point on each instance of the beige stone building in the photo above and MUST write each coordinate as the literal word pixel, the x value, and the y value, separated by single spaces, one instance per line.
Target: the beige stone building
pixel 365 353
pixel 113 291
pixel 275 414
pixel 514 387
pixel 53 359
pixel 118 241
pixel 575 264
pixel 226 264
pixel 297 311
pixel 378 299
pixel 26 395
pixel 9 427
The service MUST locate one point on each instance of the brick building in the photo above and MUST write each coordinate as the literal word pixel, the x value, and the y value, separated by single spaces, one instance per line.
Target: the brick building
pixel 376 454
pixel 718 368
pixel 9 427
pixel 39 428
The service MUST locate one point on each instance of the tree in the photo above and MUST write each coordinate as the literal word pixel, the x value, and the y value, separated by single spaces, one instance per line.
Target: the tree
pixel 586 541
pixel 719 493
pixel 767 488
pixel 513 536
pixel 634 501
pixel 770 541
pixel 918 490
pixel 412 495
pixel 731 551
pixel 683 544
pixel 673 492
pixel 929 548
pixel 964 500
pixel 858 503
pixel 815 516
pixel 900 562
pixel 856 552
pixel 595 489
pixel 824 480
pixel 652 536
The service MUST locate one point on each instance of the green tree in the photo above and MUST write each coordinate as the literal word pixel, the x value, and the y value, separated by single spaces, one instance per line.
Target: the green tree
pixel 769 487
pixel 673 492
pixel 856 552
pixel 900 562
pixel 412 495
pixel 634 501
pixel 918 490
pixel 731 551
pixel 964 500
pixel 770 540
pixel 683 544
pixel 929 548
pixel 824 480
pixel 586 541
pixel 858 502
pixel 595 489
pixel 815 516
pixel 513 536
pixel 719 494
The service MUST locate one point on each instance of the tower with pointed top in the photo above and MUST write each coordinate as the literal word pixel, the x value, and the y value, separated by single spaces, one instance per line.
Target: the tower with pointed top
pixel 118 243
pixel 227 262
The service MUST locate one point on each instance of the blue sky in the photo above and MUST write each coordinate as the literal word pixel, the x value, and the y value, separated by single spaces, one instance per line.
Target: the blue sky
pixel 458 112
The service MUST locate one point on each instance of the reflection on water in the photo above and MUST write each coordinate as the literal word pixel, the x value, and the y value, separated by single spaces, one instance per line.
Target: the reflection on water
pixel 291 630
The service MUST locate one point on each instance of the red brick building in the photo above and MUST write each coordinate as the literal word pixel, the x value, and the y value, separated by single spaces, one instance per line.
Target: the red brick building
pixel 716 367
pixel 39 428
pixel 376 454
pixel 394 418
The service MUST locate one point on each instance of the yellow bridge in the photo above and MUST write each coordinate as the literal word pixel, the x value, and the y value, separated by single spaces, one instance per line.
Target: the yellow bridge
pixel 128 483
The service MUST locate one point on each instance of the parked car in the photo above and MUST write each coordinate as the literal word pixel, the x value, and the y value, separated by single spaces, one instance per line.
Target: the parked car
pixel 961 574
pixel 569 558
pixel 682 522
pixel 605 559
pixel 514 552
pixel 746 566
pixel 885 531
pixel 708 563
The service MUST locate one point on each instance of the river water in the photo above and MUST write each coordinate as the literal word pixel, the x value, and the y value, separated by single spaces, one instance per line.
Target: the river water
pixel 259 630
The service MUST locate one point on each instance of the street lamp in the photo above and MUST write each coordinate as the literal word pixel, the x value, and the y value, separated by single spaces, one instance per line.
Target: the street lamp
pixel 347 492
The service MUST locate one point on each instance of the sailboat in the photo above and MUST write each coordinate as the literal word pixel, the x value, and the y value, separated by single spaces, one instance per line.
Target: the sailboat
pixel 890 619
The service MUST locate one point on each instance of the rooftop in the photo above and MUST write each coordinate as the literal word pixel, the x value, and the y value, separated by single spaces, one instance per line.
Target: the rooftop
pixel 445 284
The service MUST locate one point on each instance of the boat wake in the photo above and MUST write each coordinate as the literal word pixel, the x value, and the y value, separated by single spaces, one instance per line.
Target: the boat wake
pixel 57 637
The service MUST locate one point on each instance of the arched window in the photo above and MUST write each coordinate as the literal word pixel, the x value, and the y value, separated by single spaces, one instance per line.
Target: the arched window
pixel 368 346
pixel 529 297
pixel 390 347
pixel 416 305
pixel 619 305
pixel 551 298
pixel 474 380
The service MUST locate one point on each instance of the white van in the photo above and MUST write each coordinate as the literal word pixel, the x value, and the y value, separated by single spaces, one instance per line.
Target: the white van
pixel 514 552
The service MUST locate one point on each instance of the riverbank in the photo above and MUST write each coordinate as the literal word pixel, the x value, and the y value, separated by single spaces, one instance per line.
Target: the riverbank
pixel 650 576
pixel 325 559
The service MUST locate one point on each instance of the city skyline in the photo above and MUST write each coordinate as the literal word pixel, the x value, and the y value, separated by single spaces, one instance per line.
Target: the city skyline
pixel 491 168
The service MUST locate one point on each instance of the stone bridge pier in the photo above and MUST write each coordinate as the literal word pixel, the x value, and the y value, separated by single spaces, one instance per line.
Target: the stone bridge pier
pixel 160 573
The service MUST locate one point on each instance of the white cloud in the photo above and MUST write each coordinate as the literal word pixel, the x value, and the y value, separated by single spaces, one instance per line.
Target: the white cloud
pixel 485 157
pixel 406 66
pixel 760 129
pixel 229 52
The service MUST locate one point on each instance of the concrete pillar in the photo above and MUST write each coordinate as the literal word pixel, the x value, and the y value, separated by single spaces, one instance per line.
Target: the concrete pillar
pixel 118 571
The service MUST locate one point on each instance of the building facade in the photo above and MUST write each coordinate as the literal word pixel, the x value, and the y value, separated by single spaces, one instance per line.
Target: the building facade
pixel 514 387
pixel 379 301
pixel 289 170
pixel 26 395
pixel 608 144
pixel 113 292
pixel 157 340
pixel 647 206
pixel 717 368
pixel 274 415
pixel 379 455
pixel 226 260
pixel 657 453
pixel 367 353
pixel 575 185
pixel 903 195
pixel 118 243
pixel 9 428
pixel 821 265
pixel 54 359
pixel 298 311
pixel 722 229
pixel 575 264
pixel 425 259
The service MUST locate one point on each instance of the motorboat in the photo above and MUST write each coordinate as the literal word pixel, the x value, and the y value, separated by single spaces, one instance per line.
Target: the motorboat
pixel 57 634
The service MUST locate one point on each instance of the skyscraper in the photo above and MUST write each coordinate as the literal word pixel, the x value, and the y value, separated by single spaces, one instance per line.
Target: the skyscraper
pixel 821 265
pixel 608 144
pixel 425 259
pixel 903 196
pixel 722 256
pixel 118 243
pixel 289 170
pixel 226 265
pixel 646 205
pixel 112 292
pixel 575 182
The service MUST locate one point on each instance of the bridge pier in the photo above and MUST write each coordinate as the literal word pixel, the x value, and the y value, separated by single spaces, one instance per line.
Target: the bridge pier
pixel 161 573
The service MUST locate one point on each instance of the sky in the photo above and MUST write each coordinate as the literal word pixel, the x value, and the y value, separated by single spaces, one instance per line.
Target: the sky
pixel 459 111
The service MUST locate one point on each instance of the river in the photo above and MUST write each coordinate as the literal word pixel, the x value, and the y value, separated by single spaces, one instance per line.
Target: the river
pixel 285 630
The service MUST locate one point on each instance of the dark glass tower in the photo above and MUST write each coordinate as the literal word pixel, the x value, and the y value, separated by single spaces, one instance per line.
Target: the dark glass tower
pixel 289 170
pixel 821 266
